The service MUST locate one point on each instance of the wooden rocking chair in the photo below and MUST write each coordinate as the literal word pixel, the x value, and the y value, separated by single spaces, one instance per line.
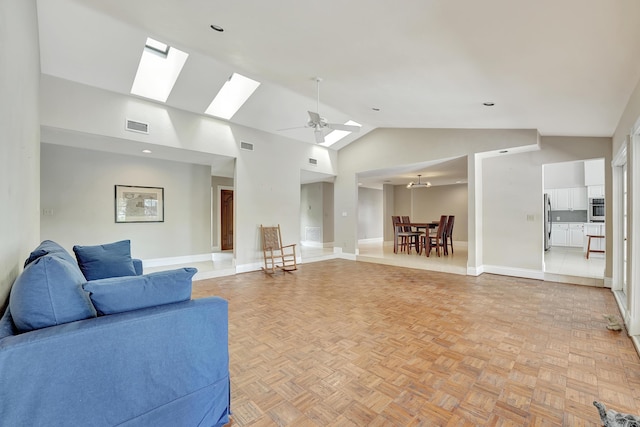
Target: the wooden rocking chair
pixel 277 256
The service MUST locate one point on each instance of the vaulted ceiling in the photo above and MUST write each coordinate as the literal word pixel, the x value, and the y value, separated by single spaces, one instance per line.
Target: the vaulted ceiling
pixel 564 67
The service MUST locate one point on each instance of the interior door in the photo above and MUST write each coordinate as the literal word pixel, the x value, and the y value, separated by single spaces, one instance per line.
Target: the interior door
pixel 226 220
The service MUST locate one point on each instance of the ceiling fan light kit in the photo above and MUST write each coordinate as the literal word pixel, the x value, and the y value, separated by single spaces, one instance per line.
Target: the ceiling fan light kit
pixel 418 184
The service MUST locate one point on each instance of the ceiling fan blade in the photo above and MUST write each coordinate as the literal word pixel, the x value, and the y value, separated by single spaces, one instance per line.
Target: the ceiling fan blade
pixel 348 128
pixel 319 136
pixel 315 117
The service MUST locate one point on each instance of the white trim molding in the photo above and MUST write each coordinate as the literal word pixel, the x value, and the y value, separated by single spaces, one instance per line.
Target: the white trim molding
pixel 161 262
pixel 514 272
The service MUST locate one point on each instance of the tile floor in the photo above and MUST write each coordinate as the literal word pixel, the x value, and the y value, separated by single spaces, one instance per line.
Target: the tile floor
pixel 562 264
pixel 566 261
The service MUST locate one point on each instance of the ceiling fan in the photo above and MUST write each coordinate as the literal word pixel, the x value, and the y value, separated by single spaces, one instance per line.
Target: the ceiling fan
pixel 320 124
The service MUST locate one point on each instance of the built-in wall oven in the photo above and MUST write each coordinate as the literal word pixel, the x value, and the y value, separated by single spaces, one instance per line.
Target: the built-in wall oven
pixel 596 209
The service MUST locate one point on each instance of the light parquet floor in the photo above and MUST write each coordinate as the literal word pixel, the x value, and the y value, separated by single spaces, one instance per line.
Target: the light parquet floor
pixel 343 343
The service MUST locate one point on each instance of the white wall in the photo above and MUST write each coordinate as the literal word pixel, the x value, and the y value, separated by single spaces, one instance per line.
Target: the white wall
pixel 266 181
pixel 19 138
pixel 78 188
pixel 370 209
pixel 564 175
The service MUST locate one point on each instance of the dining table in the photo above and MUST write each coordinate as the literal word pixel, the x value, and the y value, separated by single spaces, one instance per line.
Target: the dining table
pixel 417 225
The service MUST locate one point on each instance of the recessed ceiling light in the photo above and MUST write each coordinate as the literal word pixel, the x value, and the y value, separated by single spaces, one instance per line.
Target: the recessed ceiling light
pixel 146 151
pixel 217 28
pixel 233 94
pixel 488 104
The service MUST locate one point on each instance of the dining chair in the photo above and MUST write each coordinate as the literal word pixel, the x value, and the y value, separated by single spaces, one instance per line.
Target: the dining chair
pixel 402 239
pixel 448 235
pixel 414 238
pixel 436 240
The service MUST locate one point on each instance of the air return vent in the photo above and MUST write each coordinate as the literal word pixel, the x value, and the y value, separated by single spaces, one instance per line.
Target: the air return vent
pixel 135 126
pixel 313 162
pixel 246 146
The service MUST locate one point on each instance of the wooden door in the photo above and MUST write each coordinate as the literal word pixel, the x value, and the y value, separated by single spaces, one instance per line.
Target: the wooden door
pixel 226 220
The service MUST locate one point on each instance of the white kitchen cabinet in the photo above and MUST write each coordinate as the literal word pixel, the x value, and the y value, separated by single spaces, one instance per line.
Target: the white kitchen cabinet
pixel 595 191
pixel 594 172
pixel 579 199
pixel 559 234
pixel 576 235
pixel 569 199
pixel 560 199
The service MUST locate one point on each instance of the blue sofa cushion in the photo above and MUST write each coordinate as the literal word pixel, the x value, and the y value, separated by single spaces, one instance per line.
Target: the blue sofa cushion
pixel 49 247
pixel 119 294
pixel 108 260
pixel 49 292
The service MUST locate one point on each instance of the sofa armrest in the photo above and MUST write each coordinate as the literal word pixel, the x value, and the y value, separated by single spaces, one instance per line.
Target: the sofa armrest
pixel 118 368
pixel 137 266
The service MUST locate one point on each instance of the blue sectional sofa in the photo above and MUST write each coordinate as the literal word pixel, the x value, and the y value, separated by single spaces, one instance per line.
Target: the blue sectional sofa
pixel 133 350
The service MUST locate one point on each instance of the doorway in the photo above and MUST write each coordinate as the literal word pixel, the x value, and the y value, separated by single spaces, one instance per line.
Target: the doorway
pixel 226 220
pixel 568 188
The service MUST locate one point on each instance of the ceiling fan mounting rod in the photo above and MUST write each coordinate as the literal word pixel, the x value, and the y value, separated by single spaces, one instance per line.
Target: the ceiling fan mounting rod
pixel 318 80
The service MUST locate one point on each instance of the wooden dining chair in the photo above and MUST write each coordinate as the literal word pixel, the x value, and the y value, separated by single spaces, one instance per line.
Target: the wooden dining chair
pixel 448 235
pixel 435 240
pixel 414 237
pixel 402 238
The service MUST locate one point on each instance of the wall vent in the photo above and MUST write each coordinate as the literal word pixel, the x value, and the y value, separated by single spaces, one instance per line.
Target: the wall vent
pixel 246 146
pixel 135 126
pixel 313 162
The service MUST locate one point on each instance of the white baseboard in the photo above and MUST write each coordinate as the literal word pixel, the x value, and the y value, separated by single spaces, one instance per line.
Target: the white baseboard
pixel 371 240
pixel 246 268
pixel 311 244
pixel 515 272
pixel 636 342
pixel 608 282
pixel 475 271
pixel 160 262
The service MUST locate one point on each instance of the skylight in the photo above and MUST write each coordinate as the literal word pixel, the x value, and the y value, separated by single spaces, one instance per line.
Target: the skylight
pixel 158 70
pixel 336 135
pixel 232 96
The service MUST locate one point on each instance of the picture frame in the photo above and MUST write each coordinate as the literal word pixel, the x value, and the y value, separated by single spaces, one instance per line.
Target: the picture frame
pixel 139 204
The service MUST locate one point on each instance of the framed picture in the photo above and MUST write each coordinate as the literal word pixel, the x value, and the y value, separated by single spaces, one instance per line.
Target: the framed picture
pixel 139 204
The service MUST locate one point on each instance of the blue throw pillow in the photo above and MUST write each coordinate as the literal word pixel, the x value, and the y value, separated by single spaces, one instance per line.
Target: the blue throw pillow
pixel 48 247
pixel 49 292
pixel 118 294
pixel 108 260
